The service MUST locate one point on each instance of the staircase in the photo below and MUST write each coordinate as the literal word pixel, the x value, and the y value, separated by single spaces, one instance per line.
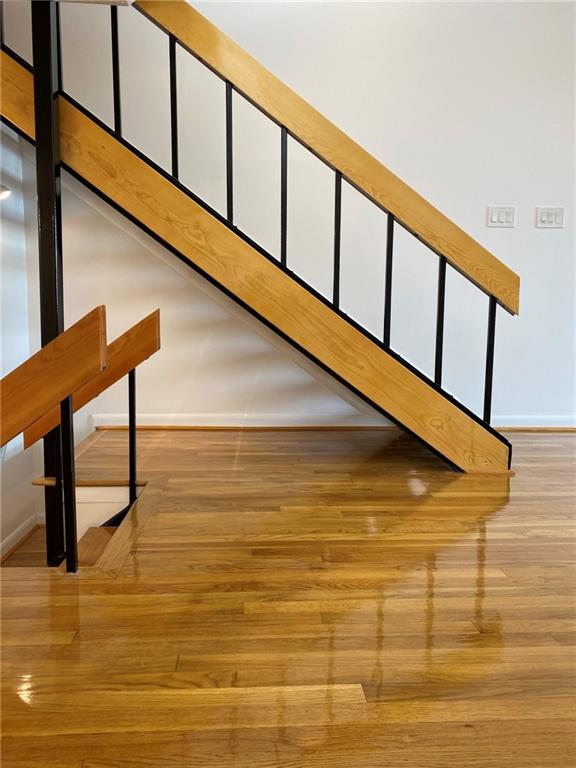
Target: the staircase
pixel 157 201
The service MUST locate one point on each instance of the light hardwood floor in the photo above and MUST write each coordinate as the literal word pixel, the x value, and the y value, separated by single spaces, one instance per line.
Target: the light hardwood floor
pixel 304 599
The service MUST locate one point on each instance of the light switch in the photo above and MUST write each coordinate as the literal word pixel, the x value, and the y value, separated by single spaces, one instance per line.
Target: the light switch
pixel 501 216
pixel 550 218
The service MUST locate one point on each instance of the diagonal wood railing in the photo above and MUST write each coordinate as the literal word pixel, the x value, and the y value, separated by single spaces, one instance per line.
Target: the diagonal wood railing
pixel 44 380
pixel 225 57
pixel 45 390
pixel 125 353
pixel 47 380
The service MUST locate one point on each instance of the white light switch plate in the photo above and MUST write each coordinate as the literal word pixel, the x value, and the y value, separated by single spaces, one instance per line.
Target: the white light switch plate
pixel 501 216
pixel 550 218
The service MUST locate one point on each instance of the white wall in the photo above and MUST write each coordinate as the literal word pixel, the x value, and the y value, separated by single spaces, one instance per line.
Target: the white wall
pixel 19 499
pixel 471 103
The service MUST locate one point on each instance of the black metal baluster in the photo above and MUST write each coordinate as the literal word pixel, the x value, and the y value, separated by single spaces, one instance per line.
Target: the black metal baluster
pixel 1 22
pixel 283 195
pixel 174 106
pixel 115 70
pixel 337 237
pixel 132 435
pixel 489 360
pixel 229 157
pixel 116 519
pixel 388 280
pixel 66 437
pixel 440 320
pixel 69 483
pixel 46 86
pixel 59 49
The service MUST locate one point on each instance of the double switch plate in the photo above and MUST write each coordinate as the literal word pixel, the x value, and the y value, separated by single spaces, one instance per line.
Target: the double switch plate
pixel 505 216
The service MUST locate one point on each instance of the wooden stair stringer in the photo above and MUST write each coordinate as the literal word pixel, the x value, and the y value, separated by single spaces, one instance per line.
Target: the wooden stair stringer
pixel 152 201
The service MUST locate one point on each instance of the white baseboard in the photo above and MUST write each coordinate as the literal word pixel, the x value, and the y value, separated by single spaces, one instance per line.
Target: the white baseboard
pixel 306 420
pixel 296 420
pixel 240 420
pixel 549 422
pixel 13 538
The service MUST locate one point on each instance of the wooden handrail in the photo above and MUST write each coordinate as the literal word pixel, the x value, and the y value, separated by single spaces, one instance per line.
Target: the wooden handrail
pixel 124 353
pixel 52 374
pixel 310 127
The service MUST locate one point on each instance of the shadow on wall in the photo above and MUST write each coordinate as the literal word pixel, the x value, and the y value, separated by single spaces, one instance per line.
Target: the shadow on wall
pixel 217 365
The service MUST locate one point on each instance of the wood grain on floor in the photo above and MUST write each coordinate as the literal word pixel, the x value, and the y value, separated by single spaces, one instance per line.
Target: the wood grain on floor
pixel 304 600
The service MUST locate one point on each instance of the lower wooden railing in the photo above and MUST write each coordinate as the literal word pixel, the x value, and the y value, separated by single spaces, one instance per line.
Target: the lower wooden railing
pixel 123 355
pixel 43 392
pixel 48 377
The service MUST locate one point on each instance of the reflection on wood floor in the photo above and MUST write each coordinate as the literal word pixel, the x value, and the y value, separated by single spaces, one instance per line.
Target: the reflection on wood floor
pixel 304 599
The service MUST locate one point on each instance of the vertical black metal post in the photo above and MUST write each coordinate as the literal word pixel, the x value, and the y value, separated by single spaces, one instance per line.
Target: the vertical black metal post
pixel 1 22
pixel 46 86
pixel 283 195
pixel 388 279
pixel 69 483
pixel 174 106
pixel 489 360
pixel 229 157
pixel 132 435
pixel 115 70
pixel 440 320
pixel 59 48
pixel 337 237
